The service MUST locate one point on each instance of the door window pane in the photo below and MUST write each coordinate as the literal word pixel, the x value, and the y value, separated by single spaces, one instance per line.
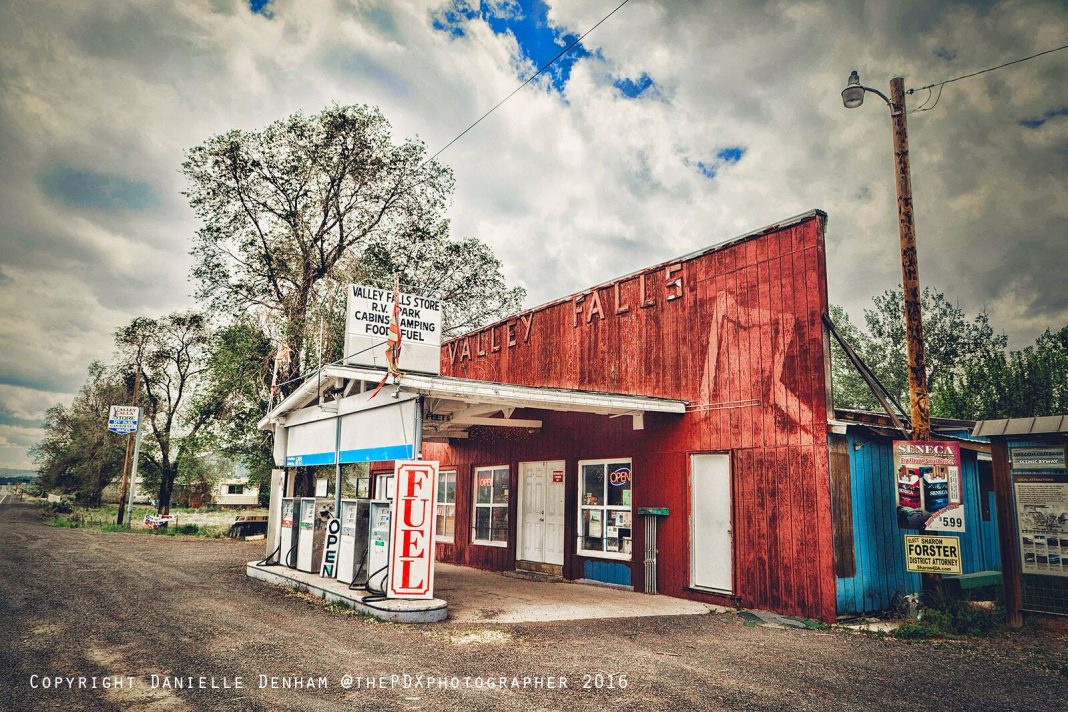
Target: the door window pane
pixel 593 484
pixel 619 484
pixel 482 523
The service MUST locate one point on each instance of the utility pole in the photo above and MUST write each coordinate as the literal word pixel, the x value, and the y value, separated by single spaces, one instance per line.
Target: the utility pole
pixel 125 491
pixel 919 401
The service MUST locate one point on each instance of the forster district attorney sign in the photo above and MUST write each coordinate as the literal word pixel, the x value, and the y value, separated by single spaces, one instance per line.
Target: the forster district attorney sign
pixel 932 554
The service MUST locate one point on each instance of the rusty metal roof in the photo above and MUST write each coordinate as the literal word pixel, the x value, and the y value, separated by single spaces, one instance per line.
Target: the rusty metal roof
pixel 1038 425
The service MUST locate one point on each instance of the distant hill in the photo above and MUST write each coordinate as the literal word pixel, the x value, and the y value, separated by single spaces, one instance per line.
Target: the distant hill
pixel 10 475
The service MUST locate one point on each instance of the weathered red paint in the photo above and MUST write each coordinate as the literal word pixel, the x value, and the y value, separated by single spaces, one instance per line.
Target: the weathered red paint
pixel 736 332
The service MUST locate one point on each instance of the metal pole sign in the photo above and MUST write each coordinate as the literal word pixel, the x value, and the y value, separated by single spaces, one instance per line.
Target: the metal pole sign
pixel 133 466
pixel 123 419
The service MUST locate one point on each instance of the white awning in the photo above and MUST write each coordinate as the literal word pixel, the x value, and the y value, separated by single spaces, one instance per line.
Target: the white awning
pixel 454 404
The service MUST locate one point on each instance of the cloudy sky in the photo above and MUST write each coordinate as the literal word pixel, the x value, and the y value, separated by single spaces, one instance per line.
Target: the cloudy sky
pixel 673 126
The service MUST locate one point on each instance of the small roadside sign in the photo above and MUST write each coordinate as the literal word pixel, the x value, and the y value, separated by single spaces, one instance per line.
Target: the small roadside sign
pixel 123 419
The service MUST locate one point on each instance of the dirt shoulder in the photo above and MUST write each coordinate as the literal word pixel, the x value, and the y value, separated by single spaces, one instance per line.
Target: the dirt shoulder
pixel 79 602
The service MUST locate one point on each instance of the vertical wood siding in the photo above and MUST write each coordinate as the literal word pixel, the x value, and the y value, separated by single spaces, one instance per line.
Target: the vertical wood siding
pixel 742 343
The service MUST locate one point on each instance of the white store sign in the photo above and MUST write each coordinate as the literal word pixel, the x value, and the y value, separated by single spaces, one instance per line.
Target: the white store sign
pixel 367 325
pixel 122 419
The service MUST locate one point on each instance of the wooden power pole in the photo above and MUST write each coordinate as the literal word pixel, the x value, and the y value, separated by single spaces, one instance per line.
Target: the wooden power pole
pixel 919 401
pixel 126 484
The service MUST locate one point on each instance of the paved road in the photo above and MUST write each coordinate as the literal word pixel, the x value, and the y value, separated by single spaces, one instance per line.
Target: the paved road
pixel 86 603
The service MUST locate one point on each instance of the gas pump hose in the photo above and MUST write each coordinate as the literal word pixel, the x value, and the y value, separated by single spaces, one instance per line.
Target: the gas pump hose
pixel 267 560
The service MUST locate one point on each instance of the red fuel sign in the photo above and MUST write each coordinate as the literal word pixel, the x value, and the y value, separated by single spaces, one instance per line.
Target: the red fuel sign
pixel 411 551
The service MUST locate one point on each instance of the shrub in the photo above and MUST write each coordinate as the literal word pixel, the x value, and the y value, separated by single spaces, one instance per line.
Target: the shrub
pixel 63 506
pixel 947 616
pixel 912 630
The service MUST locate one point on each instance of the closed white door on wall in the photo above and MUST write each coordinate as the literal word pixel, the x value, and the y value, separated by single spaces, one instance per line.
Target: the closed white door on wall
pixel 711 545
pixel 541 512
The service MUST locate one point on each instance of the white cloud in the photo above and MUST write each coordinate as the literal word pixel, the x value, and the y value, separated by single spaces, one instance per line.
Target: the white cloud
pixel 570 190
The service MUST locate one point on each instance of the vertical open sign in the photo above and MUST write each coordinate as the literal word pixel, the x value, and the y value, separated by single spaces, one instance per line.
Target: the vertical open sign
pixel 411 551
pixel 333 543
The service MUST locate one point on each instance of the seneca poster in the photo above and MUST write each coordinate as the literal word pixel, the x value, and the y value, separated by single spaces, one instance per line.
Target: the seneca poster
pixel 927 485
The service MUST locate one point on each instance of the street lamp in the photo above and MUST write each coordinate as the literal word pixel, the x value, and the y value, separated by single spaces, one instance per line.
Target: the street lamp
pixel 919 401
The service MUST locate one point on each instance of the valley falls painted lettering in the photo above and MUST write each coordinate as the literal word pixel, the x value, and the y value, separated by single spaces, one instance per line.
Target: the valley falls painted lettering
pixel 615 300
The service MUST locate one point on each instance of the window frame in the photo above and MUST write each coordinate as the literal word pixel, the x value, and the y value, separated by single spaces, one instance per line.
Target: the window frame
pixel 451 538
pixel 604 508
pixel 387 478
pixel 507 506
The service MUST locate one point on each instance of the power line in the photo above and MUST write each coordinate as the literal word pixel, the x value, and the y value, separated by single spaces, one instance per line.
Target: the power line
pixel 984 71
pixel 531 78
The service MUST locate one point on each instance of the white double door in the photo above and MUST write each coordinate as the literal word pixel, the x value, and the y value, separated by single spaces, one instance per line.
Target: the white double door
pixel 711 546
pixel 541 512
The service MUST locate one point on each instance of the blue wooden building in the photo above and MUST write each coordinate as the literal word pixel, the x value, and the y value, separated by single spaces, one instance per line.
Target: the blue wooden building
pixel 869 561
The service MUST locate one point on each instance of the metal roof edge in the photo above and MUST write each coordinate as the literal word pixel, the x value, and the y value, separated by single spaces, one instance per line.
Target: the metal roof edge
pixel 1028 425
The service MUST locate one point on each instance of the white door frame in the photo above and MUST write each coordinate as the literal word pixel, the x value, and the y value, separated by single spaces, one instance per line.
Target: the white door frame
pixel 550 465
pixel 730 526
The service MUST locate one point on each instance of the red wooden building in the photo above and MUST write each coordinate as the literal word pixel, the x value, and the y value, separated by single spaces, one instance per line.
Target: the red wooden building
pixel 735 332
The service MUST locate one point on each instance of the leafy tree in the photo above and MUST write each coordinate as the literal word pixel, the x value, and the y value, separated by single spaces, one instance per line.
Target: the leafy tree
pixel 78 454
pixel 850 389
pixel 239 373
pixel 170 354
pixel 281 207
pixel 1031 381
pixel 464 274
pixel 289 216
pixel 953 341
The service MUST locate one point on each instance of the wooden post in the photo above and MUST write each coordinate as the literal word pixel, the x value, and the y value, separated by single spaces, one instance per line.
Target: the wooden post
pixel 124 489
pixel 919 402
pixel 1010 545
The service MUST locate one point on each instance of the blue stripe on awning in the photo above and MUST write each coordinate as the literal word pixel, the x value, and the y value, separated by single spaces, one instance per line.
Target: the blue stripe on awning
pixel 315 458
pixel 373 454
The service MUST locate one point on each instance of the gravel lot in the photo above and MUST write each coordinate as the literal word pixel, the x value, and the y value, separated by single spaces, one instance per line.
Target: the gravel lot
pixel 87 603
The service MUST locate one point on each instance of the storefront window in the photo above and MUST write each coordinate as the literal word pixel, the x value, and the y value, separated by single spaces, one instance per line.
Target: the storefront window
pixel 605 488
pixel 355 480
pixel 491 505
pixel 445 525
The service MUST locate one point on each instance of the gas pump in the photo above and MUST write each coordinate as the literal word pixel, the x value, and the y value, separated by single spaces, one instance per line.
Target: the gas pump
pixel 352 550
pixel 378 546
pixel 287 534
pixel 305 528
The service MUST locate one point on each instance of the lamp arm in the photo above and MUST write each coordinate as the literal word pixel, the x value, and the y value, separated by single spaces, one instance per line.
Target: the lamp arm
pixel 880 95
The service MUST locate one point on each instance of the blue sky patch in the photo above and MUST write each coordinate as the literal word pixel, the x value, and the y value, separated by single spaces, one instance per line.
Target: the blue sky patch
pixel 261 7
pixel 1051 114
pixel 724 157
pixel 81 188
pixel 730 154
pixel 633 88
pixel 708 170
pixel 528 22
